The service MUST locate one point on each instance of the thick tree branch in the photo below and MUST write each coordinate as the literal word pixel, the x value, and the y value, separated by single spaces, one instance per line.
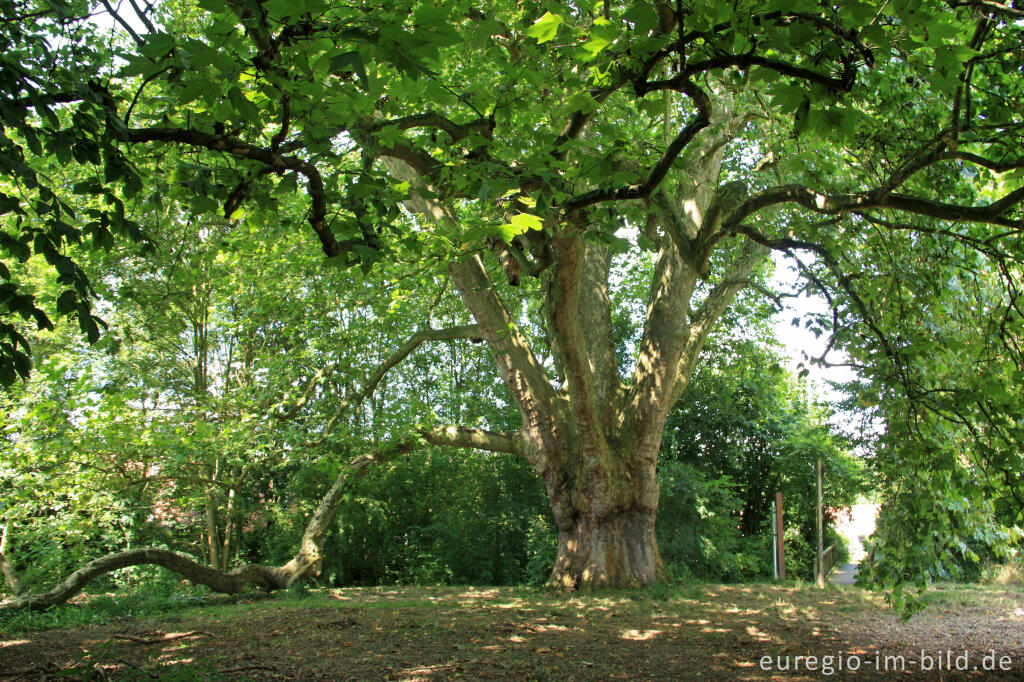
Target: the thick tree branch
pixel 44 100
pixel 578 120
pixel 664 338
pixel 565 317
pixel 518 365
pixel 687 41
pixel 271 159
pixel 432 119
pixel 143 16
pixel 124 24
pixel 978 160
pixel 286 120
pixel 643 189
pixel 843 83
pixel 993 213
pixel 478 439
pixel 990 7
pixel 417 159
pixel 466 331
pixel 703 320
pixel 469 331
pixel 595 316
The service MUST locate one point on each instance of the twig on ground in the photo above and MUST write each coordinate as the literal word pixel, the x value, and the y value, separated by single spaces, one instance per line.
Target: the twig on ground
pixel 162 638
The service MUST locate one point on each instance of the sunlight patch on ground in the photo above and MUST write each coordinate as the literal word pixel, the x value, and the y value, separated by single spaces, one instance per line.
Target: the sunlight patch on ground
pixel 14 642
pixel 473 594
pixel 423 673
pixel 401 630
pixel 640 635
pixel 758 634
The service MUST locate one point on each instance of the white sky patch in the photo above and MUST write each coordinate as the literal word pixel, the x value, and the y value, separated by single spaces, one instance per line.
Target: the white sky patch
pixel 800 344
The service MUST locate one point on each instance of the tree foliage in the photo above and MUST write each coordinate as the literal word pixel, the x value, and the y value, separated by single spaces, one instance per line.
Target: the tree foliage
pixel 751 430
pixel 509 144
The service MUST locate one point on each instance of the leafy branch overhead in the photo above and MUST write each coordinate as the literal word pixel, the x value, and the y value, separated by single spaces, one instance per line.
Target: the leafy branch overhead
pixel 313 96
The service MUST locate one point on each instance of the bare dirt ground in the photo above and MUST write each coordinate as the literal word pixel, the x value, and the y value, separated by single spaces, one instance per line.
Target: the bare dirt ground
pixel 750 632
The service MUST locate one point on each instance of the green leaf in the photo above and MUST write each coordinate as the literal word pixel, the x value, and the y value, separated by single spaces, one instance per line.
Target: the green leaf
pixel 601 36
pixel 642 15
pixel 67 302
pixel 349 62
pixel 157 45
pixel 545 28
pixel 7 375
pixel 583 102
pixel 8 204
pixel 520 223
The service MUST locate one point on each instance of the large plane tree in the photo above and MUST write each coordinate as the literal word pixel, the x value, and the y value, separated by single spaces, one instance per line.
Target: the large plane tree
pixel 520 147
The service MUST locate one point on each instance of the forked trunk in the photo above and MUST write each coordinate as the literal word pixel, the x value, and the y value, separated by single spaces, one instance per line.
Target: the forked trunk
pixel 591 432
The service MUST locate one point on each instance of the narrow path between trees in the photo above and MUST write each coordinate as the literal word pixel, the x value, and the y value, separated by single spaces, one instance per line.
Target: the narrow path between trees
pixel 845 574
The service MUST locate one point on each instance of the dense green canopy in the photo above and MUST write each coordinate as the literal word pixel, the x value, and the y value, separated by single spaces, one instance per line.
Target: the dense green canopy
pixel 876 144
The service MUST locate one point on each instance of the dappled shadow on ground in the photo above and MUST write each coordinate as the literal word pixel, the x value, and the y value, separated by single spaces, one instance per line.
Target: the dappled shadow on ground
pixel 700 632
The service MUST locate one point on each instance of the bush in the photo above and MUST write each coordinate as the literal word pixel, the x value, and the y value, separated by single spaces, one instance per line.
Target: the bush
pixel 541 545
pixel 698 529
pixel 1010 573
pixel 438 517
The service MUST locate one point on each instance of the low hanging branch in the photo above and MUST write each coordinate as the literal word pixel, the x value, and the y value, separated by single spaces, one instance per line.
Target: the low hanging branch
pixel 310 551
pixel 467 331
pixel 268 578
pixel 229 582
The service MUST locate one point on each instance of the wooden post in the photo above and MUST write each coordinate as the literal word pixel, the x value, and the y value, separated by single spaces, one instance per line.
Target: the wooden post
pixel 780 545
pixel 820 563
pixel 775 545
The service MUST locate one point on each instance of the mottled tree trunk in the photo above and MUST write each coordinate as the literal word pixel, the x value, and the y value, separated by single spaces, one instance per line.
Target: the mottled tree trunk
pixel 605 516
pixel 615 548
pixel 212 539
pixel 591 433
